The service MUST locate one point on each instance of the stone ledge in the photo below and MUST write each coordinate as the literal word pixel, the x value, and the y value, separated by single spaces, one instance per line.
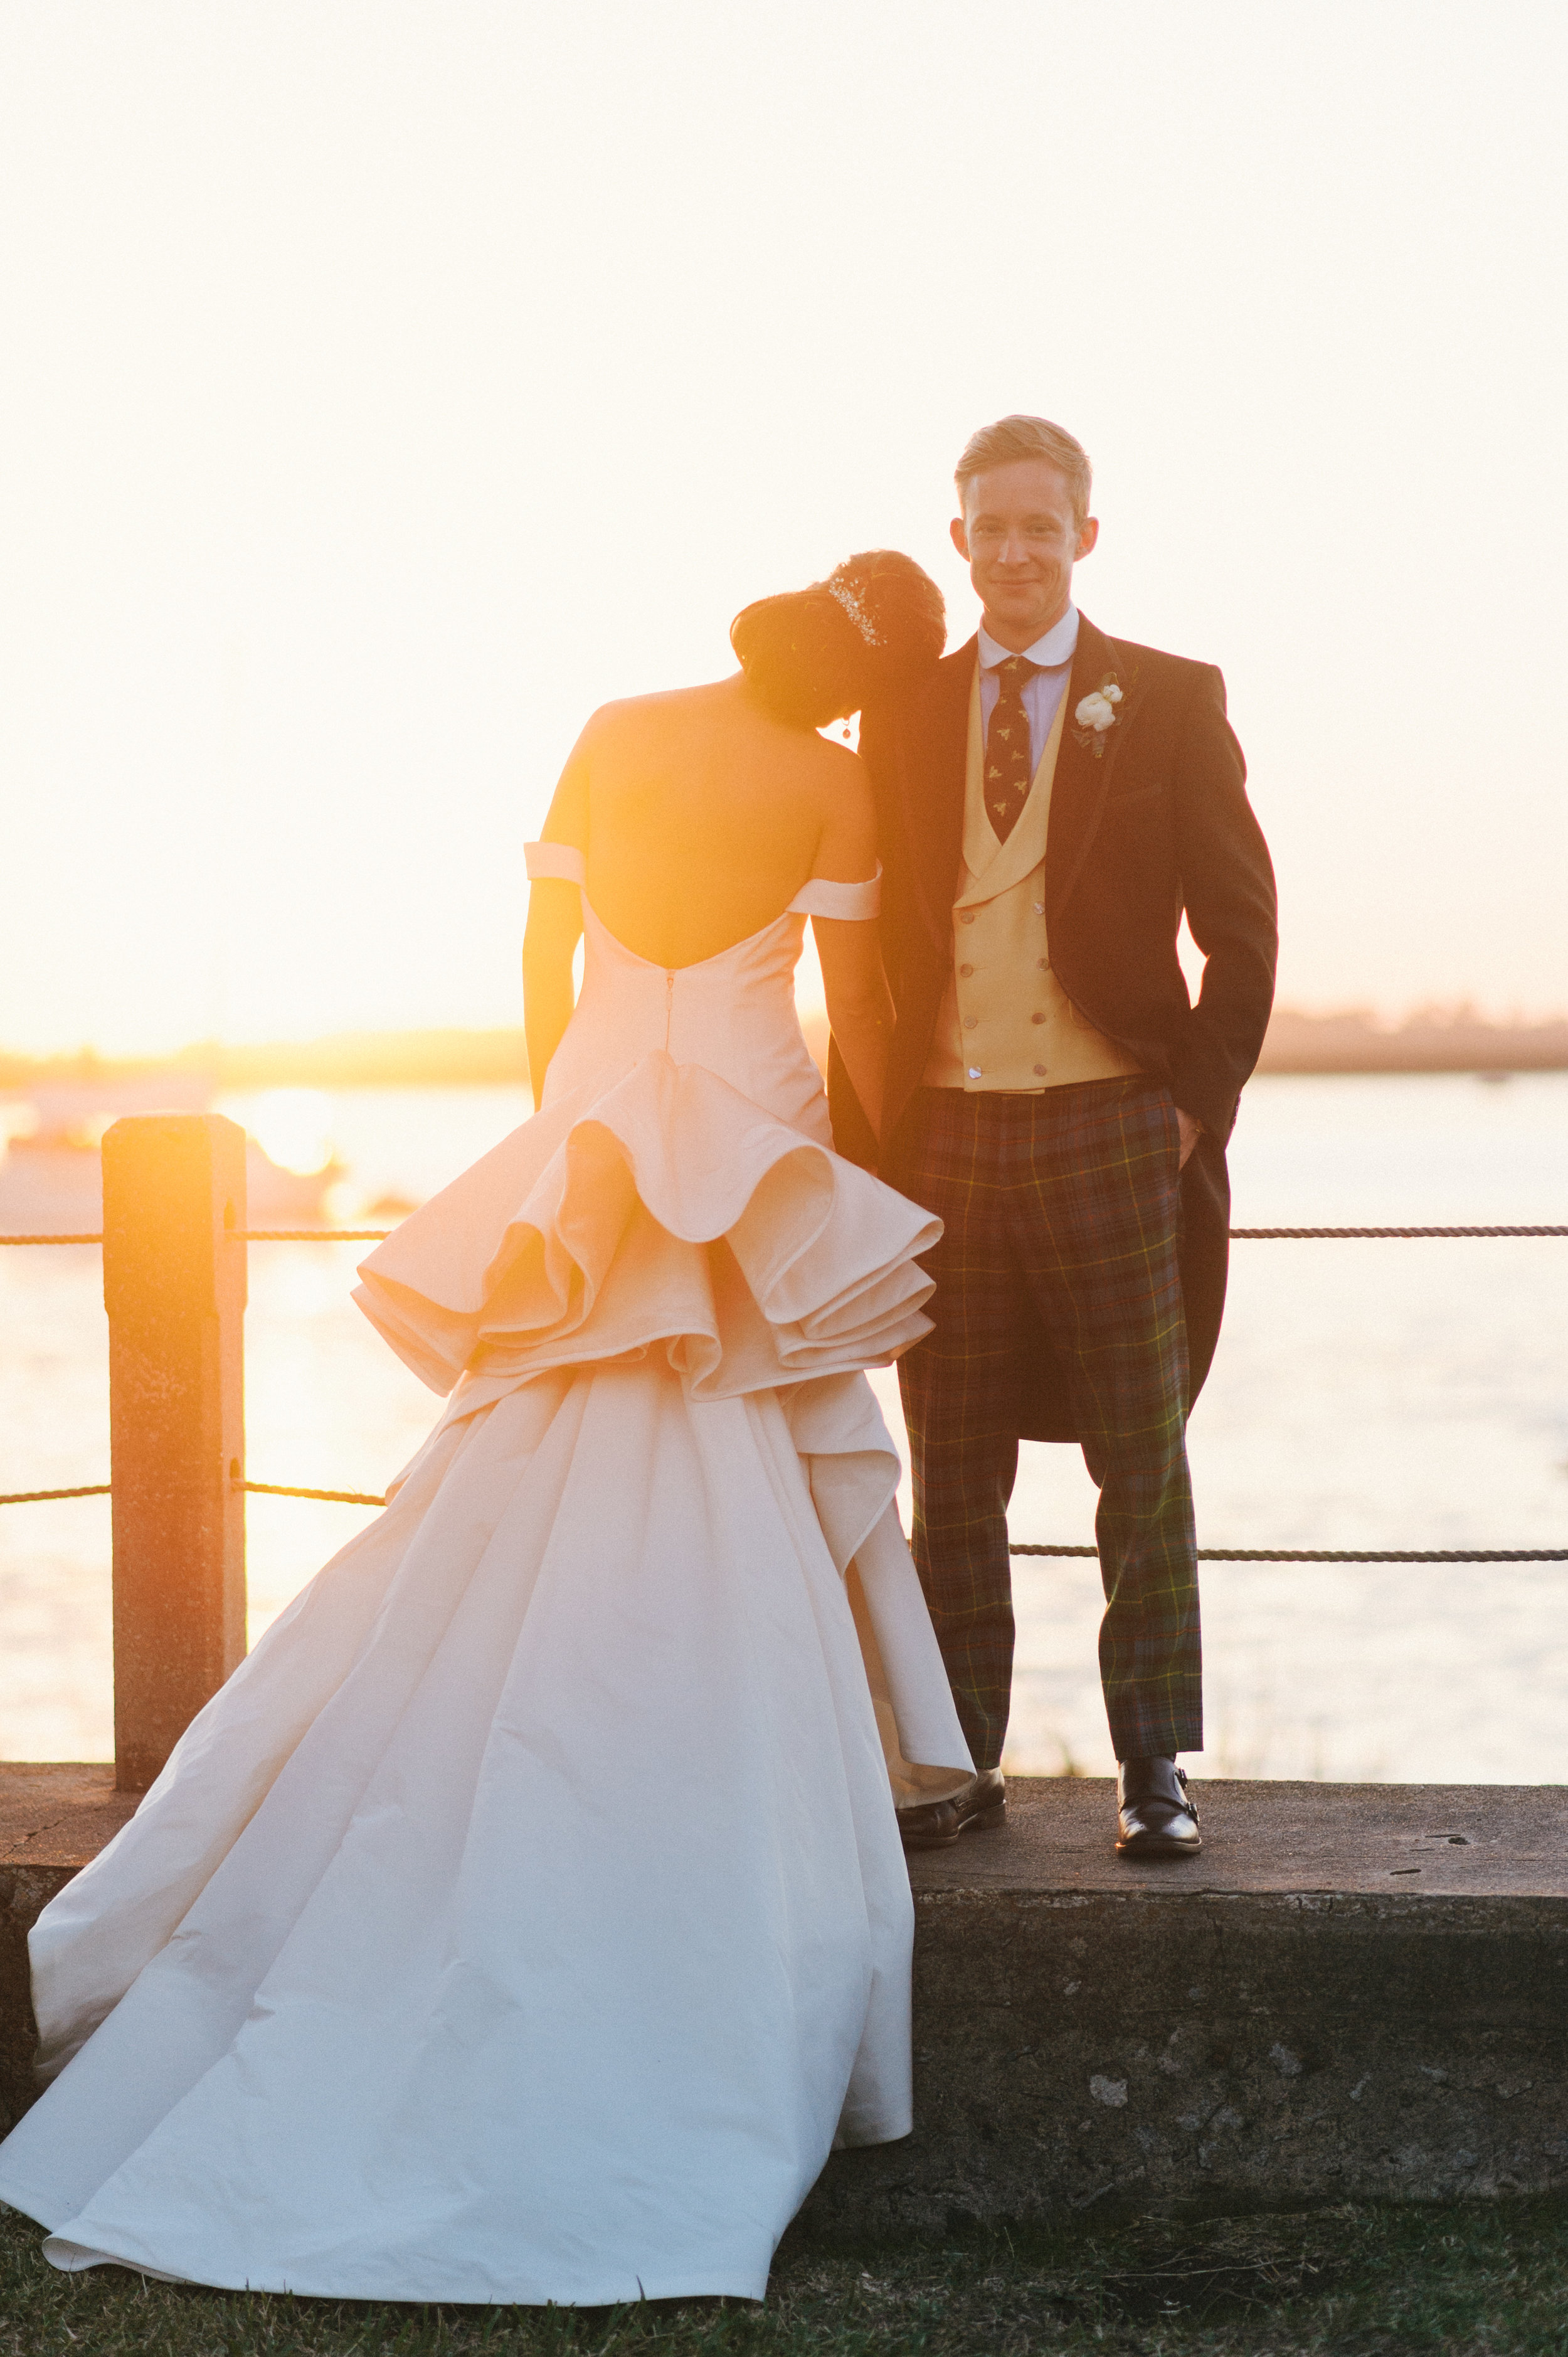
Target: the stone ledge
pixel 57 1817
pixel 1426 1840
pixel 53 1820
pixel 1357 1991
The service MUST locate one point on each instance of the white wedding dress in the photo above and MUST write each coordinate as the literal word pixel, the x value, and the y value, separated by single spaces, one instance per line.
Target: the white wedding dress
pixel 527 1917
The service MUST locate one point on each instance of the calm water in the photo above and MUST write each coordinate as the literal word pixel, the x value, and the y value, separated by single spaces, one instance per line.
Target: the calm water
pixel 1406 1394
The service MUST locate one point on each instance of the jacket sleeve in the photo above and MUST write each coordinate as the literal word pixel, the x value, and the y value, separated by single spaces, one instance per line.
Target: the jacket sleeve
pixel 879 749
pixel 854 1136
pixel 1228 886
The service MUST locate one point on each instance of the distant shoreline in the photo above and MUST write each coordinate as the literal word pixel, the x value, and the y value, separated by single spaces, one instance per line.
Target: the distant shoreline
pixel 1428 1041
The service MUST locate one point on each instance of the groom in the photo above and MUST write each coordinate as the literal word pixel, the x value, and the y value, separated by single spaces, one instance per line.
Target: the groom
pixel 1050 801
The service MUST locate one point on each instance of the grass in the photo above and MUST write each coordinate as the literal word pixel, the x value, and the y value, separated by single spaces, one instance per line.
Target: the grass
pixel 1490 2278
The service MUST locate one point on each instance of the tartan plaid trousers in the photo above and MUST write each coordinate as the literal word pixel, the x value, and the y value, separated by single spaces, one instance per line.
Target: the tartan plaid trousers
pixel 1065 1204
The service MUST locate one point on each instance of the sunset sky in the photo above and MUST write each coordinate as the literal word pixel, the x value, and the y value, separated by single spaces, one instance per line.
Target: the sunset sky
pixel 385 386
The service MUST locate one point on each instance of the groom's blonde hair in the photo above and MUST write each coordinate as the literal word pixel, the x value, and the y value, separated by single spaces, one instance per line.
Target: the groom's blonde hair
pixel 1027 437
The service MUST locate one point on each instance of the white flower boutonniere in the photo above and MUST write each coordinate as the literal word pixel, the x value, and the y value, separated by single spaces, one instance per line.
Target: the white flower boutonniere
pixel 1096 716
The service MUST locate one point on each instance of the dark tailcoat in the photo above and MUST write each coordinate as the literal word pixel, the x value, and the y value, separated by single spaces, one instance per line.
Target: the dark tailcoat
pixel 1157 821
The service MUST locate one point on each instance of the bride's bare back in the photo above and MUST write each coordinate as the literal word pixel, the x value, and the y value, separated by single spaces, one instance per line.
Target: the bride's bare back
pixel 701 816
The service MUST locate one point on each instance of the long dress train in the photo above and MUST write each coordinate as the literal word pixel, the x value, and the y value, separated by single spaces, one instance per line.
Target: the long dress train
pixel 526 1918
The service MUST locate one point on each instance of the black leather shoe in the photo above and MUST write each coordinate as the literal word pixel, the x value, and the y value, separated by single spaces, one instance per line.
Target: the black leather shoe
pixel 979 1807
pixel 1156 1815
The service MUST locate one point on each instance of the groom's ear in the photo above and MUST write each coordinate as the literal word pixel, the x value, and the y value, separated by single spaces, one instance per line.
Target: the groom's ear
pixel 960 537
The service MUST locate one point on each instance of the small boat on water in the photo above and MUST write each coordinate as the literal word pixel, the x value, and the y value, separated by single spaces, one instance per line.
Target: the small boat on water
pixel 51 1175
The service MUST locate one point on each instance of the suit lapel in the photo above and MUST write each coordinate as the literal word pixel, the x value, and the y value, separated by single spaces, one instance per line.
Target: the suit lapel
pixel 1083 773
pixel 935 749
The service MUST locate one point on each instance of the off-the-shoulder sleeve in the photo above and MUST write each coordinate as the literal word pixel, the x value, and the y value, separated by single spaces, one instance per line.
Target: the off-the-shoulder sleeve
pixel 555 863
pixel 847 902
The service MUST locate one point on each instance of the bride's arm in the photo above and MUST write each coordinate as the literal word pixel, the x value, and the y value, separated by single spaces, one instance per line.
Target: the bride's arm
pixel 860 1006
pixel 554 927
pixel 549 943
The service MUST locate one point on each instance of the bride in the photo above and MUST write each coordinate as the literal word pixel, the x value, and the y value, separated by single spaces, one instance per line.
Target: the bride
pixel 527 1917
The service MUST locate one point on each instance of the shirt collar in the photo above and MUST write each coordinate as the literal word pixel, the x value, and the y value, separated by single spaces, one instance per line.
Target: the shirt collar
pixel 1055 649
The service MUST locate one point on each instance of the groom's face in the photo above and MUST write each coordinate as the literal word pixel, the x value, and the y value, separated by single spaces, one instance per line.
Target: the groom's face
pixel 1021 539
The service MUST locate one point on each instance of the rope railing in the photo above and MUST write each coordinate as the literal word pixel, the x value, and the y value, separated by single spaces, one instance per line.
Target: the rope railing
pixel 1340 1555
pixel 1238 1235
pixel 332 1497
pixel 51 1240
pixel 37 1497
pixel 250 1236
pixel 1381 1236
pixel 1205 1555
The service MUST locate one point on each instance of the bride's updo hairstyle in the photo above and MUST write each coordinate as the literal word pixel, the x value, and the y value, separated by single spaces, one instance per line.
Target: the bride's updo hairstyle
pixel 876 622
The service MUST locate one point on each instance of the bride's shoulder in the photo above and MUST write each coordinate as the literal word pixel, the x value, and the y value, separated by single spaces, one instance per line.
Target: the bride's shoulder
pixel 626 718
pixel 625 712
pixel 833 780
pixel 846 815
pixel 841 768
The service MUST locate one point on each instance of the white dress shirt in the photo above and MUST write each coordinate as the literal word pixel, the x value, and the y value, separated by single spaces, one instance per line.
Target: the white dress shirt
pixel 1042 694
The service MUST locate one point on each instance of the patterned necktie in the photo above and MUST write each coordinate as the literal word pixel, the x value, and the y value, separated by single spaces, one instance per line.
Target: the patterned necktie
pixel 1008 769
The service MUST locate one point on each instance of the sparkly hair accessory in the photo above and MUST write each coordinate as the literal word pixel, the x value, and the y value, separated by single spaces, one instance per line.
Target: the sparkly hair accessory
pixel 854 606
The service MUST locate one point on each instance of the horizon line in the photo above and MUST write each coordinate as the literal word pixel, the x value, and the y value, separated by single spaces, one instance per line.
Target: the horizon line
pixel 1430 1016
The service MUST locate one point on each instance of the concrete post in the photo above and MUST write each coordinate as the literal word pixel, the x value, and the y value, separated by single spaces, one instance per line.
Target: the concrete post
pixel 174 1285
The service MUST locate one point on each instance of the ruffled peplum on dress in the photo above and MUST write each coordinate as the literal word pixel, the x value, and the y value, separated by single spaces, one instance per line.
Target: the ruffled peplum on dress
pixel 526 1918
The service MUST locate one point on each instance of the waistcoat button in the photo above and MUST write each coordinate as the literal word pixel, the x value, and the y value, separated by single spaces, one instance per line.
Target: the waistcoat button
pixel 969 1021
pixel 966 970
pixel 966 916
pixel 975 1071
pixel 1039 1067
pixel 1044 965
pixel 1037 1018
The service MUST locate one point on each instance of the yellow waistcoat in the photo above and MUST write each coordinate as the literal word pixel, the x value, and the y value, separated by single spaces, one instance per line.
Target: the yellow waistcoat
pixel 1005 1020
